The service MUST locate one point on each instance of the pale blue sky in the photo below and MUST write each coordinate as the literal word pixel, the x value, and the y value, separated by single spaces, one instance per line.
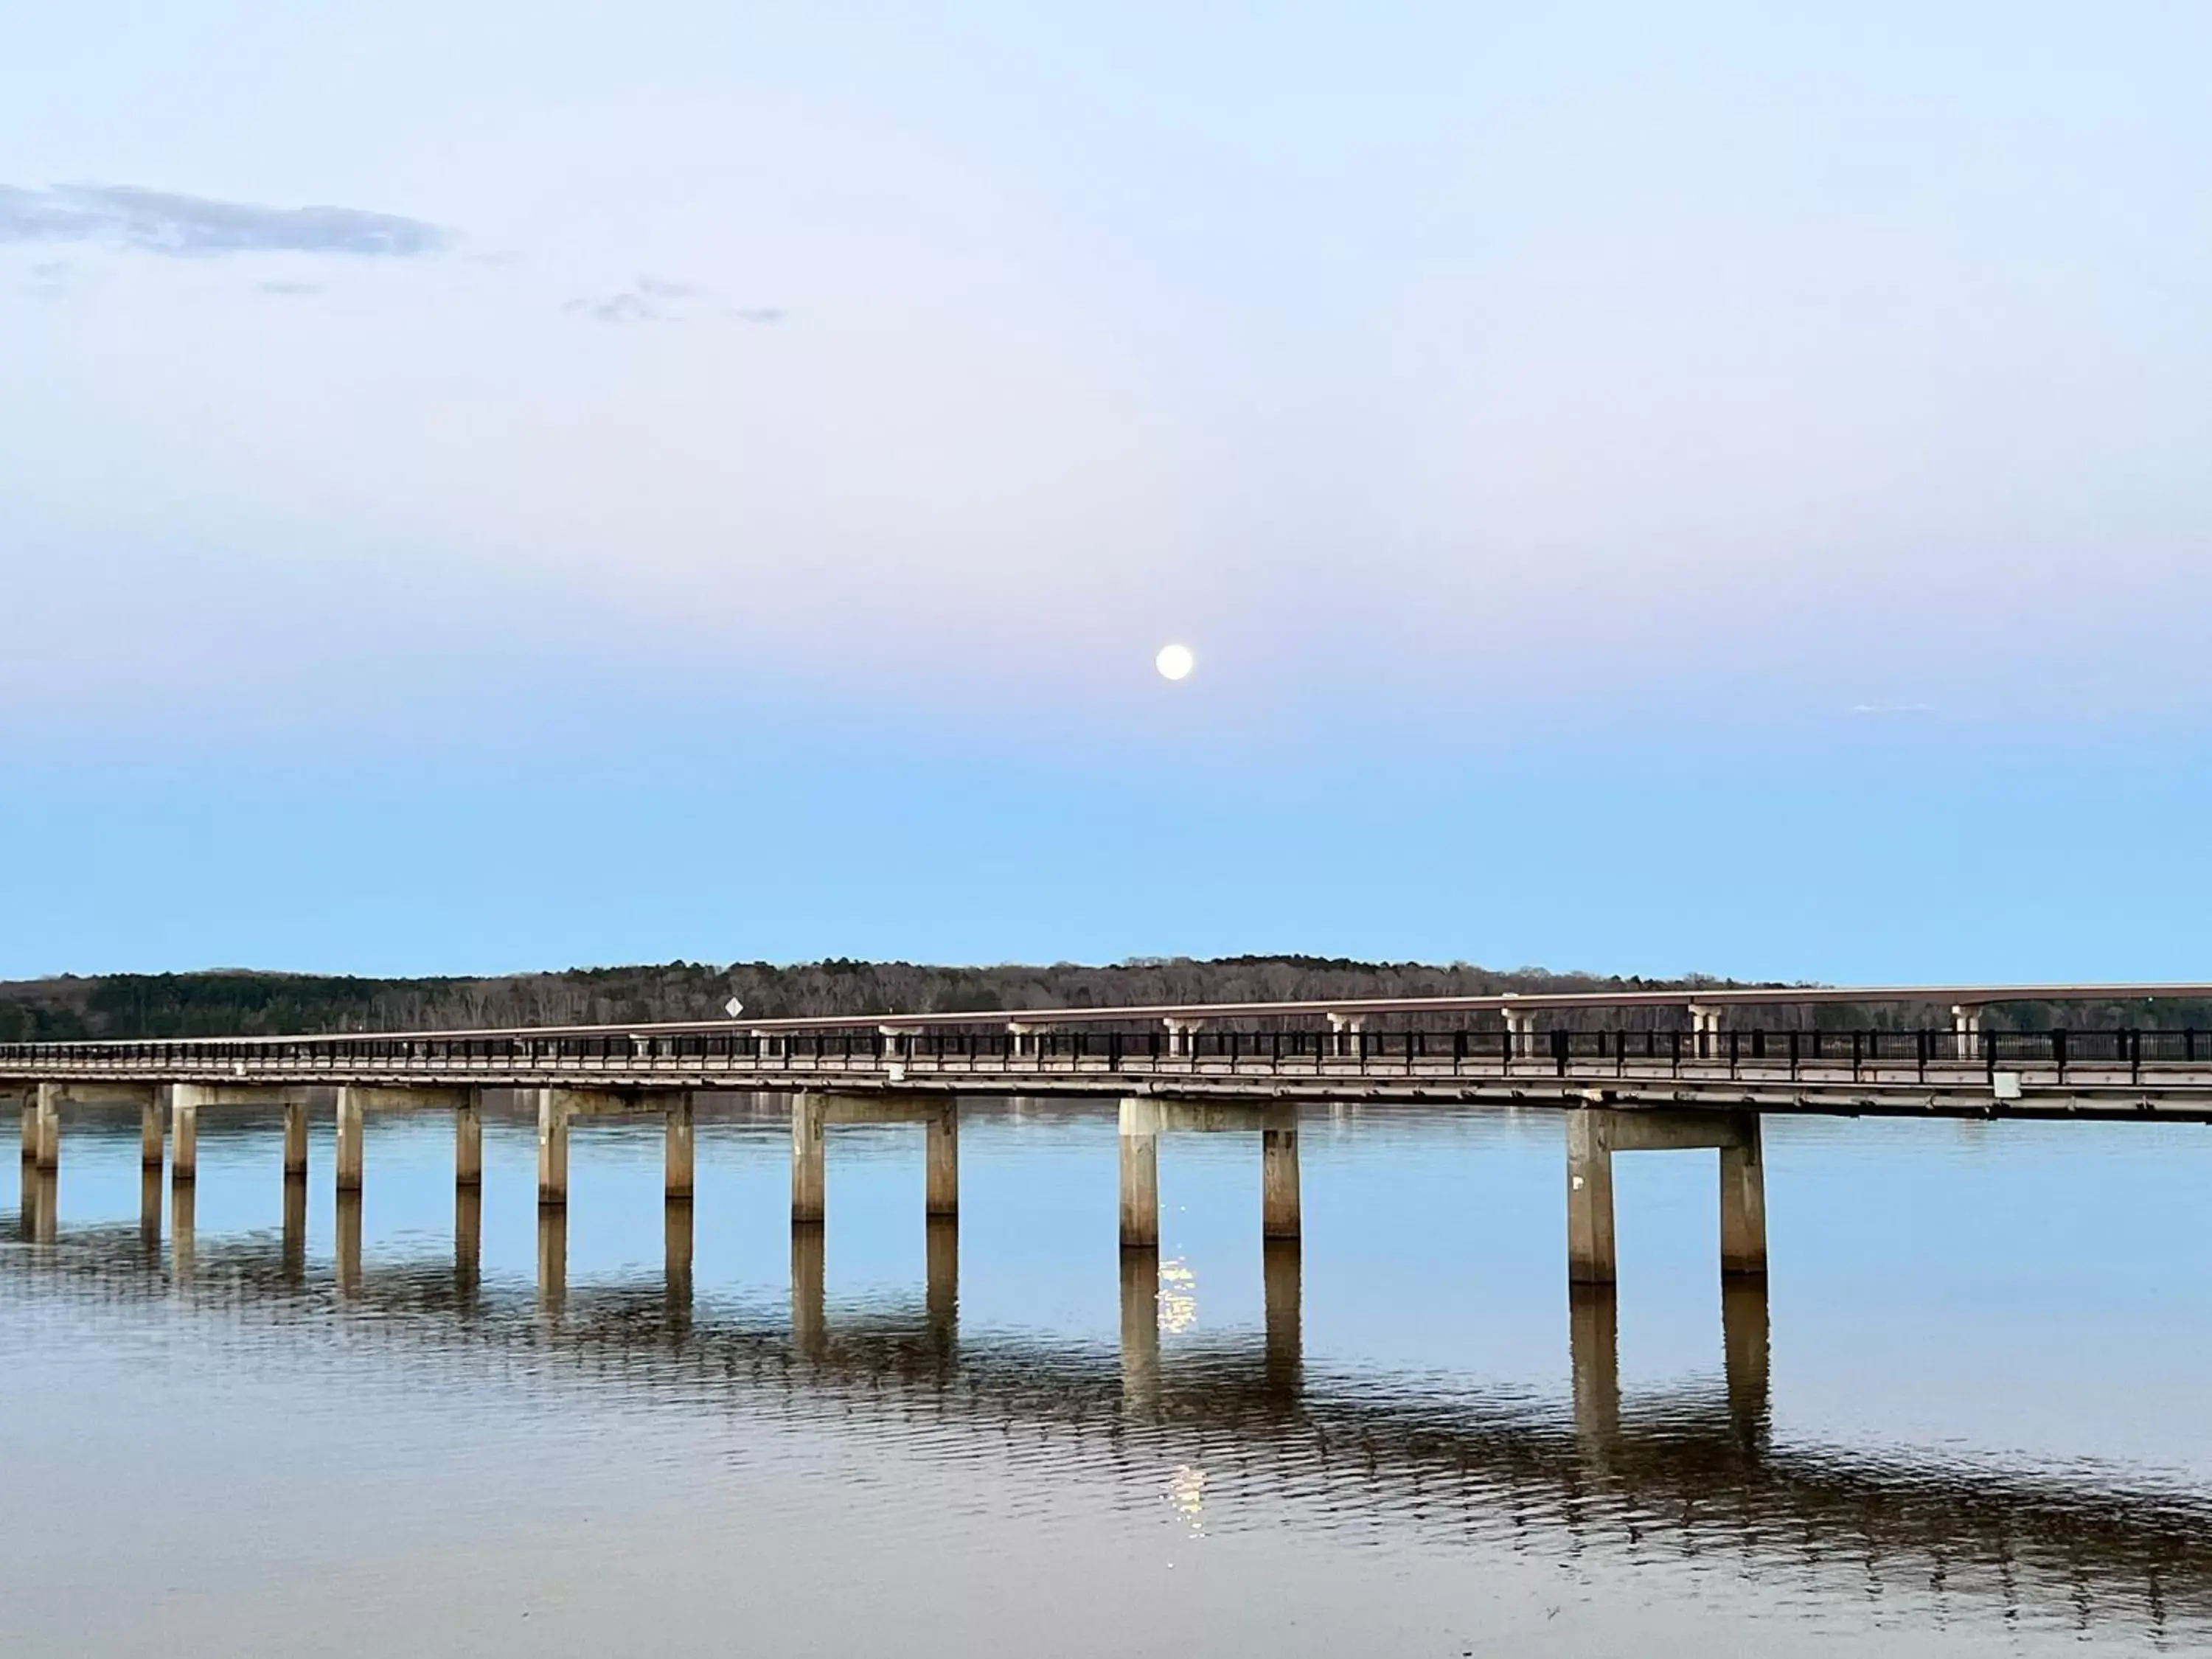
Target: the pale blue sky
pixel 1709 487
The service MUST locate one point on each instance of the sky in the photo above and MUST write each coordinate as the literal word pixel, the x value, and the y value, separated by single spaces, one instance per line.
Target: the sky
pixel 1705 488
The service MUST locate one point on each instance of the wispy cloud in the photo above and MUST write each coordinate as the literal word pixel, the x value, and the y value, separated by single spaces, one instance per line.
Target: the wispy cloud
pixel 159 221
pixel 655 301
pixel 291 288
pixel 1865 709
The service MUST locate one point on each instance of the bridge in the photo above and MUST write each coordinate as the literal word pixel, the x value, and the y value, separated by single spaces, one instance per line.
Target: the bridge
pixel 1629 1071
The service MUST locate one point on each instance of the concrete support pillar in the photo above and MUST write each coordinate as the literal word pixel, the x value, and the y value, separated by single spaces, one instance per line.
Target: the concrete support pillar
pixel 1278 1183
pixel 296 1227
pixel 1183 1037
pixel 295 1139
pixel 941 1159
pixel 152 1133
pixel 468 1142
pixel 941 1256
pixel 677 1158
pixel 808 1185
pixel 1706 1028
pixel 1966 1030
pixel 468 1239
pixel 1140 1181
pixel 1520 1031
pixel 809 1328
pixel 553 1115
pixel 348 1161
pixel 1344 1031
pixel 1021 1042
pixel 50 1126
pixel 29 1099
pixel 552 1257
pixel 1594 1344
pixel 1282 1286
pixel 676 1239
pixel 1140 1331
pixel 1743 1201
pixel 184 1230
pixel 184 1133
pixel 1589 1196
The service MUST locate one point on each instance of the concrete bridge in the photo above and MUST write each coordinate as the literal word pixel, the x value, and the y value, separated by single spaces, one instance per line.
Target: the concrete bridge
pixel 1630 1071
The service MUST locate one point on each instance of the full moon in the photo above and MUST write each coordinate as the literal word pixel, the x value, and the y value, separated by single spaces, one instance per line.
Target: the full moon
pixel 1174 662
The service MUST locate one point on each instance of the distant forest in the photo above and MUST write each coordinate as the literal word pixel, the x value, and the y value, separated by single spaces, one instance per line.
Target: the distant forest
pixel 227 1004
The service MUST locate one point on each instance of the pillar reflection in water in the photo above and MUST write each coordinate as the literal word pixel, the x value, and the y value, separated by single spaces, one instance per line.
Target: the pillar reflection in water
pixel 348 1247
pixel 1594 1343
pixel 149 1208
pixel 552 1259
pixel 295 1228
pixel 809 1326
pixel 1140 1330
pixel 1282 1273
pixel 41 1198
pixel 468 1240
pixel 942 1283
pixel 184 1200
pixel 676 1227
pixel 1744 1342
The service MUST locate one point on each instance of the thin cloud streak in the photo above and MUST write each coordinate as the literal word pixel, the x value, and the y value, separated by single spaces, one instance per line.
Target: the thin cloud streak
pixel 159 221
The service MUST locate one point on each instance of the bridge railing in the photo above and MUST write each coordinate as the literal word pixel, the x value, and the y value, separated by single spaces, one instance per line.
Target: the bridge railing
pixel 1464 1050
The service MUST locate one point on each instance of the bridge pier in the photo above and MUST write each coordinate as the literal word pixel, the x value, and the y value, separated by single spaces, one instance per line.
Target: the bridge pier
pixel 468 1144
pixel 295 1140
pixel 348 1161
pixel 1596 1132
pixel 42 1107
pixel 1145 1118
pixel 941 1160
pixel 152 1132
pixel 1706 1025
pixel 808 1181
pixel 50 1125
pixel 1279 1184
pixel 184 1135
pixel 678 1162
pixel 553 1112
pixel 811 1114
pixel 1140 1181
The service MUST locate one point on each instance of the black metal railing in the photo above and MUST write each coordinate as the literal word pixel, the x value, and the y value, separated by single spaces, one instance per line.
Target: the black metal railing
pixel 1462 1049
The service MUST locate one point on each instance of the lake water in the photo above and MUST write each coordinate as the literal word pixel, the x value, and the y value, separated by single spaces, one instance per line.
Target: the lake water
pixel 1967 1417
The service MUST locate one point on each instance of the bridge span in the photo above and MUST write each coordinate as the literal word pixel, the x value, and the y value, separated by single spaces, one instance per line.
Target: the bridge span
pixel 1629 1070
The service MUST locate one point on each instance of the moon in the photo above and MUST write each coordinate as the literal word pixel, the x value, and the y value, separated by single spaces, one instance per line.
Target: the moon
pixel 1174 662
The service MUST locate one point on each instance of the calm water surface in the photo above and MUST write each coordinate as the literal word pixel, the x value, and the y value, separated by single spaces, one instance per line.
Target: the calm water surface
pixel 1966 1418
